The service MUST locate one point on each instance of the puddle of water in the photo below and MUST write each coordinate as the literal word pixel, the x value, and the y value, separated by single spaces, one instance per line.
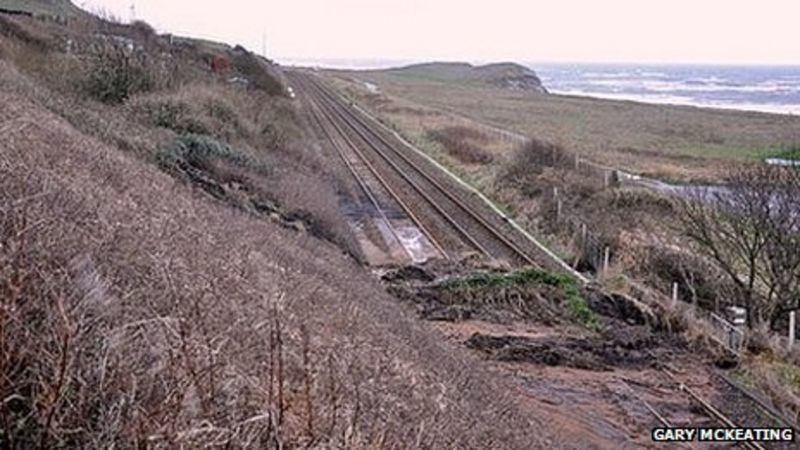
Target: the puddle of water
pixel 373 89
pixel 416 243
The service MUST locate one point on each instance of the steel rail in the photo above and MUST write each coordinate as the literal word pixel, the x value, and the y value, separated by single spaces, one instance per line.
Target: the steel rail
pixel 349 117
pixel 395 196
pixel 419 190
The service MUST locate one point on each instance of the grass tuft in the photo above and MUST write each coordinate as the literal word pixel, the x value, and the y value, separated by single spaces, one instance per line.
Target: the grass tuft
pixel 575 304
pixel 791 152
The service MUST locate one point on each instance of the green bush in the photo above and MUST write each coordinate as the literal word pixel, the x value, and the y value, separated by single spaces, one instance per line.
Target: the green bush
pixel 173 115
pixel 195 151
pixel 191 156
pixel 117 73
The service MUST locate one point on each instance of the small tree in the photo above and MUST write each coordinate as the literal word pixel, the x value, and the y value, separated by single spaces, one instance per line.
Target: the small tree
pixel 749 228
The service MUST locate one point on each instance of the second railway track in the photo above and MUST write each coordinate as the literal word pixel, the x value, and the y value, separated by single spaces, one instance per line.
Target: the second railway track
pixel 458 225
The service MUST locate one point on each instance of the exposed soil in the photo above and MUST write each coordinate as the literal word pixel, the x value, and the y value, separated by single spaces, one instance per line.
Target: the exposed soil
pixel 629 349
pixel 595 387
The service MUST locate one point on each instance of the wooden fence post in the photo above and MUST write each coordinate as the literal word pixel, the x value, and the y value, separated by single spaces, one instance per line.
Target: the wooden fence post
pixel 792 318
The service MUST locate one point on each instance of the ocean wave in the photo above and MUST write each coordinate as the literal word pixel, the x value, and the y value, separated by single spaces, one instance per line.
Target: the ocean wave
pixel 669 99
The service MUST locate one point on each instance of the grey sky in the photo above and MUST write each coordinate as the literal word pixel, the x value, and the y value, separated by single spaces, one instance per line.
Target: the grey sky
pixel 711 31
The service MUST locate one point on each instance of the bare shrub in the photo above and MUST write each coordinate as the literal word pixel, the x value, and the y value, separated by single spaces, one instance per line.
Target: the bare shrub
pixel 143 32
pixel 117 73
pixel 462 143
pixel 643 200
pixel 531 159
pixel 750 228
pixel 699 281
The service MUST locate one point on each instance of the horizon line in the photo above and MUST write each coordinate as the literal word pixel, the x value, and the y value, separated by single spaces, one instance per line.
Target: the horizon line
pixel 393 62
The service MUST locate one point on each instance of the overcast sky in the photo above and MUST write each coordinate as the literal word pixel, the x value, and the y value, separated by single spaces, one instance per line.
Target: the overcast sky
pixel 694 31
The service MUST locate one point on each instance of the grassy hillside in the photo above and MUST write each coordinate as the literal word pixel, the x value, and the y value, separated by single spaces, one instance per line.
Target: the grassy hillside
pixel 501 75
pixel 59 8
pixel 175 271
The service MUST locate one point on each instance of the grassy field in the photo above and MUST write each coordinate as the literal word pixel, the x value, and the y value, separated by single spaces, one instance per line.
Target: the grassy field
pixel 672 142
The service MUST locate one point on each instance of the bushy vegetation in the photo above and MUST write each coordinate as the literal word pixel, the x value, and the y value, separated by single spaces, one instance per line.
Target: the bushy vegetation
pixel 255 71
pixel 176 116
pixel 191 153
pixel 531 159
pixel 118 72
pixel 462 143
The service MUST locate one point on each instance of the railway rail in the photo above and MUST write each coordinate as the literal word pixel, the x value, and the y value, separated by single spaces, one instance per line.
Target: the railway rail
pixel 715 413
pixel 411 184
pixel 375 187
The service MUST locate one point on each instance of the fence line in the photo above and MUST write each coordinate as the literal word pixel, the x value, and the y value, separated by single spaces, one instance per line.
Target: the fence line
pixel 594 252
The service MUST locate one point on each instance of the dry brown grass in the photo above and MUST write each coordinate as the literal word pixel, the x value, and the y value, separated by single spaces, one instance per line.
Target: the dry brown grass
pixel 260 126
pixel 136 312
pixel 463 144
pixel 20 30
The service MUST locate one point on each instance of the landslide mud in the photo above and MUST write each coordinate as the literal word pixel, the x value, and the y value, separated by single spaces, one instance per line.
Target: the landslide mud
pixel 593 384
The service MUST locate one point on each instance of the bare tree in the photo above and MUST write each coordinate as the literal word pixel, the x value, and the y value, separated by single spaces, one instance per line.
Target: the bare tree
pixel 749 228
pixel 781 257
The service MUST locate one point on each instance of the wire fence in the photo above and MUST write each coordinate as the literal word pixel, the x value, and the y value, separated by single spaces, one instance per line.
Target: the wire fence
pixel 594 251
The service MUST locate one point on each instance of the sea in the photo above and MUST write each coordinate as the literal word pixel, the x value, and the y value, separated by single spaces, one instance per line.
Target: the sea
pixel 773 89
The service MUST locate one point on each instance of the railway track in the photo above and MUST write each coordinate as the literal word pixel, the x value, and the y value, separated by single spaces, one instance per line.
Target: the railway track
pixel 449 218
pixel 392 211
pixel 716 413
